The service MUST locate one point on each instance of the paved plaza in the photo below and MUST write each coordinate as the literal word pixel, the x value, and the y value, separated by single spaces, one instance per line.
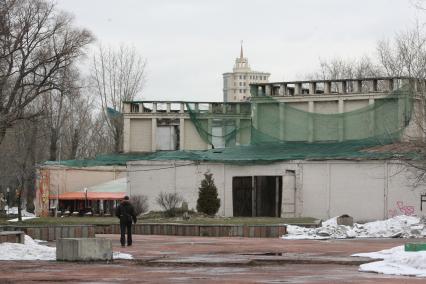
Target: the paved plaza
pixel 168 259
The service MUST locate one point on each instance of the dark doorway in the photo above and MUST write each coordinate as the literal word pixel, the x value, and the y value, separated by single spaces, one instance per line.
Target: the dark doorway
pixel 258 196
pixel 242 196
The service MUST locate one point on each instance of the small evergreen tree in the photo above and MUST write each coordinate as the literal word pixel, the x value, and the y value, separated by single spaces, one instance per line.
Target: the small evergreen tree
pixel 208 202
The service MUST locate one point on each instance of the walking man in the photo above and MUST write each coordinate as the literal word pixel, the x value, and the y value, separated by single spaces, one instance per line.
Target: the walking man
pixel 126 213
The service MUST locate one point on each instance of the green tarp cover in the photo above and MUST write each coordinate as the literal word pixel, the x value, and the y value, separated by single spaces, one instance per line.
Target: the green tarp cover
pixel 251 154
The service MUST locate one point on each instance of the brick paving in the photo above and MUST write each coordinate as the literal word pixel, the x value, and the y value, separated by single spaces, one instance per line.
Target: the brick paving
pixel 150 248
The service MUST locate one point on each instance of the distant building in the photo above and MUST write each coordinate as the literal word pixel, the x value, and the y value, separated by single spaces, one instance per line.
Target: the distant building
pixel 236 85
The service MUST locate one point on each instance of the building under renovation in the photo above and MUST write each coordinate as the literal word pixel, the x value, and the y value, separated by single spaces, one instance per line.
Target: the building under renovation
pixel 307 148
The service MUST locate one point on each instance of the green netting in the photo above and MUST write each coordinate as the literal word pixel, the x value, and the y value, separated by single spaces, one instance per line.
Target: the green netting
pixel 274 121
pixel 275 131
pixel 252 154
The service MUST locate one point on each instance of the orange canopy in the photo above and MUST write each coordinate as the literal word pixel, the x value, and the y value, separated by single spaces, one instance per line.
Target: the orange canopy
pixel 78 195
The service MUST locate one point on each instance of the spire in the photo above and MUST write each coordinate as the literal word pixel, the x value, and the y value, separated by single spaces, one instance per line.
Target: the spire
pixel 241 51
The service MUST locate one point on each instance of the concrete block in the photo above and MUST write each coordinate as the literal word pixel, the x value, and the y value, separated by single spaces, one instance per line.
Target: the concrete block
pixel 12 237
pixel 345 220
pixel 83 249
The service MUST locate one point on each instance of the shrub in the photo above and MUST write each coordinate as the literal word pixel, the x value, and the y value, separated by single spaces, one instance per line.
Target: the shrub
pixel 169 202
pixel 140 203
pixel 208 202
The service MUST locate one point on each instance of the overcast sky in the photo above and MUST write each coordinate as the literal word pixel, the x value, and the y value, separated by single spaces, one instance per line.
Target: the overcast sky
pixel 188 44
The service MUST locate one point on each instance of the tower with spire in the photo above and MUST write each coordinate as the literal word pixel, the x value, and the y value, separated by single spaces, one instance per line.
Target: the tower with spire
pixel 236 84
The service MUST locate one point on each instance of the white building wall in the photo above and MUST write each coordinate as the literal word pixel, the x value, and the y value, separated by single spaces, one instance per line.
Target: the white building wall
pixel 140 135
pixel 357 189
pixel 366 190
pixel 193 140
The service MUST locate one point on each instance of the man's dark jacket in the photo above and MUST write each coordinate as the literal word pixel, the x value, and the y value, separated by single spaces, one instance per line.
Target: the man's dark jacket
pixel 126 212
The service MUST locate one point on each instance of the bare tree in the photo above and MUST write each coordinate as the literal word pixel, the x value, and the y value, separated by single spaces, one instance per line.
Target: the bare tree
pixel 117 75
pixel 140 203
pixel 36 43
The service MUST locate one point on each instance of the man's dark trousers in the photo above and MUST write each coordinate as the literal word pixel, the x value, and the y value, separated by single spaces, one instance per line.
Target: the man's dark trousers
pixel 126 226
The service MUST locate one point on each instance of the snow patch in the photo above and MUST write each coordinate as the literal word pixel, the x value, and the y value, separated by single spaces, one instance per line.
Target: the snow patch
pixel 396 261
pixel 34 250
pixel 120 255
pixel 30 250
pixel 23 219
pixel 398 226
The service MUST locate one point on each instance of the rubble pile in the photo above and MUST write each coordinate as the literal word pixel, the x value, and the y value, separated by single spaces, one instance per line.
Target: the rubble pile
pixel 396 227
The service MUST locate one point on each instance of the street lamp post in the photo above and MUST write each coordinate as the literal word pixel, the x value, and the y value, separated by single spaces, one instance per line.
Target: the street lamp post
pixel 85 198
pixel 7 200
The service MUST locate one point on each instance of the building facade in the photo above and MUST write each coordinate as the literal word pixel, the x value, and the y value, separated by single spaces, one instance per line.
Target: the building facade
pixel 367 190
pixel 236 84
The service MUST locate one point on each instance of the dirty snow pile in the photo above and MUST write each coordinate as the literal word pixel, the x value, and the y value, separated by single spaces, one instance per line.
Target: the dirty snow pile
pixel 14 211
pixel 397 227
pixel 396 261
pixel 32 250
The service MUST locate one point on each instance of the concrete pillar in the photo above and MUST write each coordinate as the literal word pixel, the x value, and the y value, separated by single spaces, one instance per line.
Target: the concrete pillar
pixel 197 107
pixel 312 88
pixel 311 130
pixel 254 115
pixel 298 89
pixel 327 87
pixel 268 90
pixel 154 135
pixel 140 107
pixel 182 108
pixel 238 109
pixel 168 107
pixel 181 134
pixel 282 121
pixel 126 107
pixel 223 108
pixel 260 91
pixel 389 84
pixel 357 86
pixel 126 135
pixel 154 107
pixel 343 87
pixel 374 88
pixel 283 89
pixel 372 124
pixel 341 120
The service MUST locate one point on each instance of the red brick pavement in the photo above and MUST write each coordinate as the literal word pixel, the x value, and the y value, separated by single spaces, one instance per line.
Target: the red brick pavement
pixel 148 247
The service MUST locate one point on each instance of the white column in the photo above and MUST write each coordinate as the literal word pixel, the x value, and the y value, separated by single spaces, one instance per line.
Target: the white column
pixel 282 121
pixel 283 89
pixel 126 135
pixel 298 89
pixel 372 118
pixel 154 135
pixel 181 134
pixel 311 129
pixel 312 88
pixel 341 121
pixel 358 86
pixel 327 87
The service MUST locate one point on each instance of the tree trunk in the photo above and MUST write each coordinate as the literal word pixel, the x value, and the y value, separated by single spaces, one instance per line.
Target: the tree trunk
pixel 74 144
pixel 53 145
pixel 2 133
